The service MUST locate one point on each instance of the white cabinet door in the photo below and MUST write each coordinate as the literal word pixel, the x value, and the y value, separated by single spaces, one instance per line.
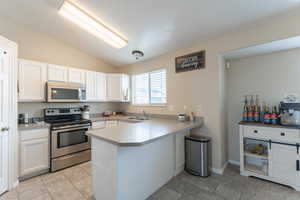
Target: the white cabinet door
pixel 118 87
pixel 34 156
pixel 114 87
pixel 76 76
pixel 32 80
pixel 126 87
pixel 283 163
pixel 57 73
pixel 90 83
pixel 100 86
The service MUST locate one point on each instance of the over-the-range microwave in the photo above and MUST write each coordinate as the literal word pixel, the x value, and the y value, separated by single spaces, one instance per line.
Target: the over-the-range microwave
pixel 65 92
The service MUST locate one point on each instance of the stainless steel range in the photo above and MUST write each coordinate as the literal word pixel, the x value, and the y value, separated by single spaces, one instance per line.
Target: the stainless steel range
pixel 69 143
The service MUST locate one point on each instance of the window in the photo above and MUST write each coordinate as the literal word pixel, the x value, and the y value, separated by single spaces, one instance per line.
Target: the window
pixel 149 88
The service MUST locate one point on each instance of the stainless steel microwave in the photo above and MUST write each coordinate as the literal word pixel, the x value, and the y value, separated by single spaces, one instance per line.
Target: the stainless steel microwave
pixel 65 92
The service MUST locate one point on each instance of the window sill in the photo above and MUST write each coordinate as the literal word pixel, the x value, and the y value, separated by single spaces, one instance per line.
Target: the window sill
pixel 149 105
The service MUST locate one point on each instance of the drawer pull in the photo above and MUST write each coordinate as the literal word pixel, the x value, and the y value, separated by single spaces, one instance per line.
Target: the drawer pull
pixel 297 165
pixel 255 131
pixel 282 134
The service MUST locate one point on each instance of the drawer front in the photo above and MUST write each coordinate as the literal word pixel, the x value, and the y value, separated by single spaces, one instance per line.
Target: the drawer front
pixel 34 134
pixel 98 125
pixel 276 134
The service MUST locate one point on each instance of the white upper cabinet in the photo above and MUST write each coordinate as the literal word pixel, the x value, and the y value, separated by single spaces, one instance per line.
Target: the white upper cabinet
pixel 57 73
pixel 77 76
pixel 32 80
pixel 90 84
pixel 95 86
pixel 117 87
pixel 101 86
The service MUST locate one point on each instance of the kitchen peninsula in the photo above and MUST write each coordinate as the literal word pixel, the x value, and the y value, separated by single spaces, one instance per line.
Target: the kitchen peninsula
pixel 133 160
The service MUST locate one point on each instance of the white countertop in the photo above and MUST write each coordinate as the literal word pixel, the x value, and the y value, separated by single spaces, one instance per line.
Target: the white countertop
pixel 136 134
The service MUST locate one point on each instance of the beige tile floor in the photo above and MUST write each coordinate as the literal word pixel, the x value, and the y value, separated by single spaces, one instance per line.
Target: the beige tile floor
pixel 75 183
pixel 70 184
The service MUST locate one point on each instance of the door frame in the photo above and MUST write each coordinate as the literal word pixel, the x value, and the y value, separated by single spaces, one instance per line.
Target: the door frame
pixel 13 140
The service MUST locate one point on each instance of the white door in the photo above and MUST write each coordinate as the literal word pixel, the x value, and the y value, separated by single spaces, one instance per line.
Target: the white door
pixel 57 73
pixel 32 80
pixel 4 64
pixel 76 76
pixel 114 87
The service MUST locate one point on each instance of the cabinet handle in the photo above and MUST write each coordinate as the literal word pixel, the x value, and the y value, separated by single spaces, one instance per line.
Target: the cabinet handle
pixel 255 131
pixel 270 144
pixel 297 165
pixel 297 146
pixel 282 134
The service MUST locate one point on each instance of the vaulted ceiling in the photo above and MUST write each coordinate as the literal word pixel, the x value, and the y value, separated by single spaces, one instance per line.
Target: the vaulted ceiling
pixel 153 26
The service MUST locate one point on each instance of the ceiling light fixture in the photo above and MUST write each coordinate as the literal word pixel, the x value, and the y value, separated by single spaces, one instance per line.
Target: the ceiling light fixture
pixel 137 54
pixel 81 17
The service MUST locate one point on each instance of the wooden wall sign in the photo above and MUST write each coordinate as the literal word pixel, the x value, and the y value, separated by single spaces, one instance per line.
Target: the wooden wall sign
pixel 190 62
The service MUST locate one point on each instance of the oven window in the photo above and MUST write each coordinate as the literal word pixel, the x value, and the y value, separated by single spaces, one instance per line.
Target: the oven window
pixel 62 93
pixel 70 138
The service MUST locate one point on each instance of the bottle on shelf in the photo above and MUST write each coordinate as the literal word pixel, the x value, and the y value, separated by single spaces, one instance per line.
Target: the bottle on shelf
pixel 274 115
pixel 267 115
pixel 245 110
pixel 257 109
pixel 251 109
pixel 262 112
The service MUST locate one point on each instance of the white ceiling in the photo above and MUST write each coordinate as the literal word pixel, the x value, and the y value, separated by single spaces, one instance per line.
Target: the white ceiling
pixel 153 26
pixel 279 45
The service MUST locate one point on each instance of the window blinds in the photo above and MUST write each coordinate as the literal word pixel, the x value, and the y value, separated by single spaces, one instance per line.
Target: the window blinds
pixel 150 88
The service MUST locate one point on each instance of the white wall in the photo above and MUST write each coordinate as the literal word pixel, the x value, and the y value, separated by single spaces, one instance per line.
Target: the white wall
pixel 271 76
pixel 204 87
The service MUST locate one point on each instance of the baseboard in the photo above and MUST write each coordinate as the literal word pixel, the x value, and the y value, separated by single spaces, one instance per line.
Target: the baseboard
pixel 219 171
pixel 234 162
pixel 179 170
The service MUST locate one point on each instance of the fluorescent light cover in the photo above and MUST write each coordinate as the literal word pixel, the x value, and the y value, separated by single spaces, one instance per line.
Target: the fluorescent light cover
pixel 90 24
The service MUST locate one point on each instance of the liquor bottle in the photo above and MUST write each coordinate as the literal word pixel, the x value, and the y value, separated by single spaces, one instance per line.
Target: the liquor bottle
pixel 251 109
pixel 274 115
pixel 262 112
pixel 245 111
pixel 267 115
pixel 257 109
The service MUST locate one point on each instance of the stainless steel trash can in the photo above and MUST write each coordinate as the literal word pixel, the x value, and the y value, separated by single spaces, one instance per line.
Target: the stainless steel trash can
pixel 196 155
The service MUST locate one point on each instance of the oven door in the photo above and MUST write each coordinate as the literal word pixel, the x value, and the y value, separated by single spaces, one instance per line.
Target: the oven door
pixel 67 141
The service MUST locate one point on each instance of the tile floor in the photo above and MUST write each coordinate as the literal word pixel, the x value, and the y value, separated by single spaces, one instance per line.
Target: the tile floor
pixel 75 183
pixel 70 184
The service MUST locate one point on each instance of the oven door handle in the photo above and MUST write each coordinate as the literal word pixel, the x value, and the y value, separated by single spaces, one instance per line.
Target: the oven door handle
pixel 70 129
pixel 71 126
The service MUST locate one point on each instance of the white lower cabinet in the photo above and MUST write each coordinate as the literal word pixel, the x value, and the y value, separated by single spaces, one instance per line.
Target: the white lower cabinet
pixel 34 152
pixel 271 153
pixel 284 163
